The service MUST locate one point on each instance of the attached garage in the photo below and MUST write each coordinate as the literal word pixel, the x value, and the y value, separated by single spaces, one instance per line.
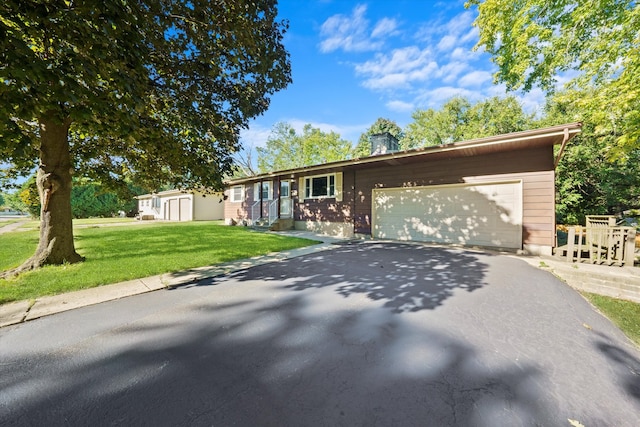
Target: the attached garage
pixel 484 214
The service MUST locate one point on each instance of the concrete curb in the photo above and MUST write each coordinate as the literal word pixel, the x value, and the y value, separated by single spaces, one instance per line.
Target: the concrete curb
pixel 616 282
pixel 22 311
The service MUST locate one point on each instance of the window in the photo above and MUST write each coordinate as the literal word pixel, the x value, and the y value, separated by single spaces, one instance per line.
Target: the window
pixel 155 202
pixel 266 191
pixel 285 189
pixel 237 193
pixel 316 187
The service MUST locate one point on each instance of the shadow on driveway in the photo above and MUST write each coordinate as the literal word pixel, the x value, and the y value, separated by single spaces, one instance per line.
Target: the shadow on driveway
pixel 405 277
pixel 363 335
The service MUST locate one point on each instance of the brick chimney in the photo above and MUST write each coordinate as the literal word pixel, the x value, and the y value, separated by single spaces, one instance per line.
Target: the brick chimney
pixel 383 143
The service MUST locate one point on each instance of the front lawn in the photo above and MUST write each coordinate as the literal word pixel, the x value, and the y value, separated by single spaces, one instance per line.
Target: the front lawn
pixel 116 254
pixel 625 314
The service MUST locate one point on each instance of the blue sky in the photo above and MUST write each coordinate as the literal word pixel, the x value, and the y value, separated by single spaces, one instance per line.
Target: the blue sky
pixel 353 62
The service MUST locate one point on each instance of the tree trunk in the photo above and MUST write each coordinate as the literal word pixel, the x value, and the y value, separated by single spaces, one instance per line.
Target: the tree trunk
pixel 54 187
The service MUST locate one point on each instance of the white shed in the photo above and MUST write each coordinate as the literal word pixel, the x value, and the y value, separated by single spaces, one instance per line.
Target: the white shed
pixel 178 205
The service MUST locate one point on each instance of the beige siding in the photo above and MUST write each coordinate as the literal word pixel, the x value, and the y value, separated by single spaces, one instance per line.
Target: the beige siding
pixel 208 208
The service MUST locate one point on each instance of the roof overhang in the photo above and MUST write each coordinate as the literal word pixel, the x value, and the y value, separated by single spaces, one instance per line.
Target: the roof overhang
pixel 164 194
pixel 548 136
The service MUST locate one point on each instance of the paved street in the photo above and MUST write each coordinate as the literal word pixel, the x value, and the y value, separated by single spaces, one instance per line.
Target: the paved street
pixel 365 334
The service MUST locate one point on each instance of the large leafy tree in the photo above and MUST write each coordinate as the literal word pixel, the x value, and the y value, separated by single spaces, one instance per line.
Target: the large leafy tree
pixel 153 88
pixel 458 119
pixel 286 149
pixel 381 125
pixel 587 181
pixel 595 42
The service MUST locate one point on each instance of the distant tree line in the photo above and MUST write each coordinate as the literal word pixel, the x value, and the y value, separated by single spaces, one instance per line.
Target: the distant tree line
pixel 88 199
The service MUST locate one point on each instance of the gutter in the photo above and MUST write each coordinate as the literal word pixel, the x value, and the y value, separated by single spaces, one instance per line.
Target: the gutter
pixel 565 139
pixel 566 130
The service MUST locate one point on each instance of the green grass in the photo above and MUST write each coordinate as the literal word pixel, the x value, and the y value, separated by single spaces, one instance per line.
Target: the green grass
pixel 34 224
pixel 625 314
pixel 103 221
pixel 116 254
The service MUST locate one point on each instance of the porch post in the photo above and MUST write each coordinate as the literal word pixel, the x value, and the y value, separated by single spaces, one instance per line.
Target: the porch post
pixel 277 185
pixel 261 203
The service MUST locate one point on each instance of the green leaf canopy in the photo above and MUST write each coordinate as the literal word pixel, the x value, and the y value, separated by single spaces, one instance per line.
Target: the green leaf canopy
pixel 594 44
pixel 156 89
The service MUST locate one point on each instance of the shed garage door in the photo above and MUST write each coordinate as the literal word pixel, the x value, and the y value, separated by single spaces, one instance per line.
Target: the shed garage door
pixel 179 209
pixel 185 209
pixel 484 214
pixel 174 209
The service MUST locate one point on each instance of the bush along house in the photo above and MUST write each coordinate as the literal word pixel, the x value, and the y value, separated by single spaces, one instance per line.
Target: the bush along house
pixel 494 192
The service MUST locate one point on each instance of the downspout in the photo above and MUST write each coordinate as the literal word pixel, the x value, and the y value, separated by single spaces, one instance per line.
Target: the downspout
pixel 353 197
pixel 565 139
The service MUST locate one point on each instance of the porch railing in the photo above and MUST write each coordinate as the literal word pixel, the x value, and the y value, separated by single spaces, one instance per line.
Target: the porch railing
pixel 254 213
pixel 273 211
pixel 601 242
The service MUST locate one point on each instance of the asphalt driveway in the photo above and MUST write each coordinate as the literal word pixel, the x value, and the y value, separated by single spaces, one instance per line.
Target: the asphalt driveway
pixel 364 334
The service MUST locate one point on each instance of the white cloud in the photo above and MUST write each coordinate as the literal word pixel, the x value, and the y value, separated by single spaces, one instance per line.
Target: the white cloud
pixel 346 32
pixel 533 101
pixel 400 60
pixel 351 33
pixel 386 26
pixel 400 106
pixel 255 136
pixel 475 79
pixel 471 36
pixel 439 65
pixel 460 24
pixel 450 72
pixel 436 97
pixel 499 90
pixel 397 70
pixel 447 42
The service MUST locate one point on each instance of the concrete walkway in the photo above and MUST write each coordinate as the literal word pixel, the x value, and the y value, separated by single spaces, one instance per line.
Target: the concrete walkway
pixel 618 282
pixel 10 227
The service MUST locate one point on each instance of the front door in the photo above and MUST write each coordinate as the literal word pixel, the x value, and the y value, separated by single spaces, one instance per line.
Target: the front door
pixel 285 200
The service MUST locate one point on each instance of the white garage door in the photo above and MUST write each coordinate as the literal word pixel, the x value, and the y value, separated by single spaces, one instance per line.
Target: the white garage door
pixel 174 210
pixel 185 209
pixel 484 214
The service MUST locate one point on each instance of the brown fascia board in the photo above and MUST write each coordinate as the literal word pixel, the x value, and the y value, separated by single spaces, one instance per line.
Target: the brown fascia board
pixel 556 133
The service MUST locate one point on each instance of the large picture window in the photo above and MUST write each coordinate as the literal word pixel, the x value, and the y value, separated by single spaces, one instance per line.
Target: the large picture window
pixel 316 187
